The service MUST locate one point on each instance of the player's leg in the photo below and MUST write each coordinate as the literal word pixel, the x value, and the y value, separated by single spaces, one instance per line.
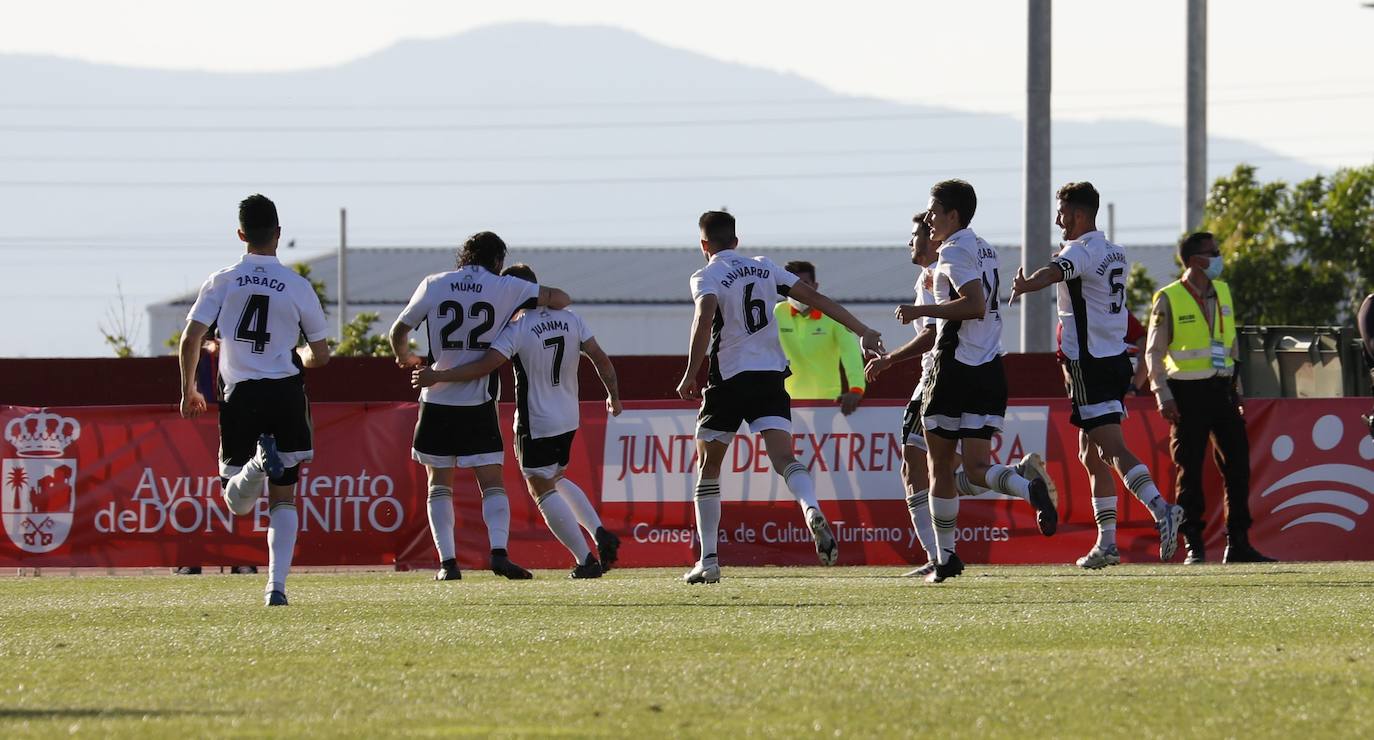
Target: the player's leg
pixel 435 446
pixel 496 515
pixel 1103 487
pixel 717 422
pixel 1109 445
pixel 292 436
pixel 282 524
pixel 607 542
pixel 542 460
pixel 916 481
pixel 769 412
pixel 944 504
pixel 242 476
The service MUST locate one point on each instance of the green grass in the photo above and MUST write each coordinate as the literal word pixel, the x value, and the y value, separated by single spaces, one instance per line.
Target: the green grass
pixel 1208 651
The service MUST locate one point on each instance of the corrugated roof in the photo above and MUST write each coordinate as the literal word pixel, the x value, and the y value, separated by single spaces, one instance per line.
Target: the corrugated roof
pixel 859 274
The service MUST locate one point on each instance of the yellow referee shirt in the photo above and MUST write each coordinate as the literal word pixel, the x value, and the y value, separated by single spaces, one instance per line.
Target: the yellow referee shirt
pixel 816 347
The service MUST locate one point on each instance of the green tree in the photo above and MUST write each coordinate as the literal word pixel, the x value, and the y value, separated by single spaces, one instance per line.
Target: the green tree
pixel 1286 259
pixel 359 341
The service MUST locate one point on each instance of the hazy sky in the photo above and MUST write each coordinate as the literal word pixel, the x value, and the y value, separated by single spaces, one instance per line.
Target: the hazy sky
pixel 1297 77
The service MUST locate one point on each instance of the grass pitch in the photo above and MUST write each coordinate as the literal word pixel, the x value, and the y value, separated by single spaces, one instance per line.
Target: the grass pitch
pixel 1207 651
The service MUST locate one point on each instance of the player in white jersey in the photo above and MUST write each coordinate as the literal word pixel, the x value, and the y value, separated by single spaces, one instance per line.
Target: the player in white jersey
pixel 464 310
pixel 966 398
pixel 1091 273
pixel 734 297
pixel 262 308
pixel 915 466
pixel 547 416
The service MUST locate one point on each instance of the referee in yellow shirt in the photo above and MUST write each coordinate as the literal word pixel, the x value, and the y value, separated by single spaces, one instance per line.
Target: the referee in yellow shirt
pixel 817 347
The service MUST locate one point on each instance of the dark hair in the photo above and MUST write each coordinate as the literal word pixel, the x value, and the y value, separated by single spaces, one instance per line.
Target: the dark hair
pixel 957 195
pixel 1192 244
pixel 798 267
pixel 522 271
pixel 483 248
pixel 258 219
pixel 1080 195
pixel 920 221
pixel 717 228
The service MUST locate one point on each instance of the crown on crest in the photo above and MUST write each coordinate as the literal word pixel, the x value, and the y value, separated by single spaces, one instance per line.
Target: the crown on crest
pixel 42 434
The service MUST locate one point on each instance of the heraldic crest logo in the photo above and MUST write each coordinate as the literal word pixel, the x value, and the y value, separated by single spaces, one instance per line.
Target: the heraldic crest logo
pixel 37 483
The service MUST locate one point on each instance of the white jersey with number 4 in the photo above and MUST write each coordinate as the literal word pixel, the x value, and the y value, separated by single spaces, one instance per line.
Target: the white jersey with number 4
pixel 463 311
pixel 744 336
pixel 1092 297
pixel 966 258
pixel 545 346
pixel 262 308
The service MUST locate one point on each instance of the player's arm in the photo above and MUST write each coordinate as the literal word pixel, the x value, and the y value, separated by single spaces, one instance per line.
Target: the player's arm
pixel 971 305
pixel 1038 280
pixel 399 337
pixel 919 345
pixel 314 354
pixel 552 297
pixel 870 339
pixel 606 371
pixel 188 353
pixel 488 364
pixel 706 306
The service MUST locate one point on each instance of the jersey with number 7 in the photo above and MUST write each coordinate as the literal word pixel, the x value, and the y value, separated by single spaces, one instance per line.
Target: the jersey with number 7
pixel 744 336
pixel 262 308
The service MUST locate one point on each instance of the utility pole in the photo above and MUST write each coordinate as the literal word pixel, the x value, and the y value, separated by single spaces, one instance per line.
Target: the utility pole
pixel 1111 222
pixel 343 270
pixel 1037 334
pixel 1195 138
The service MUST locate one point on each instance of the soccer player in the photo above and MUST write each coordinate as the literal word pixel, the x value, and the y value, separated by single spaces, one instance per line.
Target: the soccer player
pixel 264 418
pixel 547 417
pixel 966 400
pixel 915 473
pixel 1091 273
pixel 464 310
pixel 734 297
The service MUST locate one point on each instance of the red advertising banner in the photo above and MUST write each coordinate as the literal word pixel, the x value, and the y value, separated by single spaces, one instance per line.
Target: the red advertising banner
pixel 137 486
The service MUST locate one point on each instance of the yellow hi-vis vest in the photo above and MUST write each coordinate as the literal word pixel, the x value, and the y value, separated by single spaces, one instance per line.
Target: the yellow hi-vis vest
pixel 1190 348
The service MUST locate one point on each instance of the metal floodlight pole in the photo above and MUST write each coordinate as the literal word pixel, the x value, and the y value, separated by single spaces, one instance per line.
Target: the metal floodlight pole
pixel 1195 138
pixel 1037 334
pixel 343 271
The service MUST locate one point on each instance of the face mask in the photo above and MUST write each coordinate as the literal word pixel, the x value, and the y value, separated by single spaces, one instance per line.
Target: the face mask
pixel 801 307
pixel 1213 270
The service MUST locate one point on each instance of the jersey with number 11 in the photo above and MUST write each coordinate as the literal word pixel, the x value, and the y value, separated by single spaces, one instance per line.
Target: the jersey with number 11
pixel 744 336
pixel 464 310
pixel 262 308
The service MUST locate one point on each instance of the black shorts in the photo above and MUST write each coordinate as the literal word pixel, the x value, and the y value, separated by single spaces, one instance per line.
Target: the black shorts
pixel 913 428
pixel 544 457
pixel 458 436
pixel 757 396
pixel 275 406
pixel 1096 385
pixel 965 400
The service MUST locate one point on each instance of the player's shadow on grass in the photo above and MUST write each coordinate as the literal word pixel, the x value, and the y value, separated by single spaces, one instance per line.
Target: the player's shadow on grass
pixel 97 713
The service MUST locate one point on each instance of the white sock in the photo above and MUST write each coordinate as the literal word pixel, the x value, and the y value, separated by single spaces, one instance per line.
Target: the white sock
pixel 581 506
pixel 246 487
pixel 802 487
pixel 496 514
pixel 1005 480
pixel 944 514
pixel 1142 486
pixel 281 544
pixel 918 504
pixel 707 500
pixel 1104 510
pixel 965 486
pixel 441 520
pixel 563 523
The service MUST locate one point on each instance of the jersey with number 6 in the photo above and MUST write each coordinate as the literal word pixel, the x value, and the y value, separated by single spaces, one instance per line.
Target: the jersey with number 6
pixel 463 311
pixel 744 336
pixel 262 308
pixel 965 258
pixel 545 345
pixel 1092 297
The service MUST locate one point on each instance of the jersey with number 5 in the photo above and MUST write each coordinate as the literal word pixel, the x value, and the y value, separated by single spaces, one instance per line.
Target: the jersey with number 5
pixel 545 346
pixel 1092 297
pixel 463 311
pixel 965 258
pixel 744 336
pixel 262 308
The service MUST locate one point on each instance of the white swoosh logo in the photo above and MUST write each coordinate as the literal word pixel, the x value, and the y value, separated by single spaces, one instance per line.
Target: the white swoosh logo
pixel 1341 500
pixel 1333 473
pixel 1335 520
